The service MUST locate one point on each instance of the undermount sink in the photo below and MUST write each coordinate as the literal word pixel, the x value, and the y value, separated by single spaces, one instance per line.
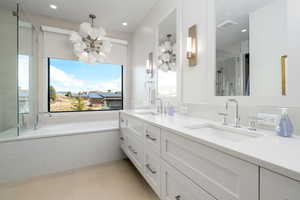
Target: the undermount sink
pixel 151 113
pixel 227 133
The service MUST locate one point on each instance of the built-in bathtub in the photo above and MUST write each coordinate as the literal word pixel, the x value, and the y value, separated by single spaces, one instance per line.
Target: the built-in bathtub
pixel 59 147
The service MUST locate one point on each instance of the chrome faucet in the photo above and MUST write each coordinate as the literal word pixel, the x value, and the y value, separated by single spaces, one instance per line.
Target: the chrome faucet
pixel 237 116
pixel 160 107
pixel 225 115
pixel 37 119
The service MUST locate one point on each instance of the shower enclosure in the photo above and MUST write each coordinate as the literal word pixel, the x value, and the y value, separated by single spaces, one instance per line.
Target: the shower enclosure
pixel 17 72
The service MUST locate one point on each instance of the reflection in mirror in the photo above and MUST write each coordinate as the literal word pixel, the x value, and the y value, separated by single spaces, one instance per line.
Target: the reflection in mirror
pixel 167 65
pixel 250 42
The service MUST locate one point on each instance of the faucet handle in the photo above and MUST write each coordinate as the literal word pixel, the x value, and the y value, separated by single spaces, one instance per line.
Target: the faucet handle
pixel 224 115
pixel 253 122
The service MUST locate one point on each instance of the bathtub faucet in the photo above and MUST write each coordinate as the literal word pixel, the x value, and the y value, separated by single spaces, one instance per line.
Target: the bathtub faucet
pixel 37 119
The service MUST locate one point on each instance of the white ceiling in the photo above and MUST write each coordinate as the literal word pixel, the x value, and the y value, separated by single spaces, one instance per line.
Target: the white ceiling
pixel 110 13
pixel 238 11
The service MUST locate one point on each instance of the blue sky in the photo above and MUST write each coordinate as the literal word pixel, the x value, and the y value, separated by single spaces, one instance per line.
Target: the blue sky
pixel 75 76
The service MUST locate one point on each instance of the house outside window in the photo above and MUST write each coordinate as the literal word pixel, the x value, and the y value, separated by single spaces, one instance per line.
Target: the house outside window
pixel 75 86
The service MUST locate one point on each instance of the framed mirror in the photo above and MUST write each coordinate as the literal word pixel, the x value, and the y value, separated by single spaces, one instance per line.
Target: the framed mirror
pixel 167 57
pixel 251 48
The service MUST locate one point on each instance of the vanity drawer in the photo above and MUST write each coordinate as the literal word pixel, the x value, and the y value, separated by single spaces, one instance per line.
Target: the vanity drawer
pixel 135 126
pixel 123 121
pixel 152 137
pixel 277 187
pixel 221 175
pixel 123 140
pixel 176 186
pixel 152 170
pixel 135 152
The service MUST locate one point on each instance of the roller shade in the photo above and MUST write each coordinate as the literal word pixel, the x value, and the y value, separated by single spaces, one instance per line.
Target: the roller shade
pixel 58 45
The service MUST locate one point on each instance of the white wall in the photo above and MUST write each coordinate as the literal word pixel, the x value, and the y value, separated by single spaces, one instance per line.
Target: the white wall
pixel 293 69
pixel 198 83
pixel 8 70
pixel 268 39
pixel 20 160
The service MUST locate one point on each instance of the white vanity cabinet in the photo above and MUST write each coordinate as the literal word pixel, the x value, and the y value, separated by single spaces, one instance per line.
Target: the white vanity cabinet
pixel 223 176
pixel 277 187
pixel 143 149
pixel 180 168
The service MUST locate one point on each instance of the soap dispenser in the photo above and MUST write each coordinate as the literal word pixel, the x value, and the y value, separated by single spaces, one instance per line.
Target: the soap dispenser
pixel 285 126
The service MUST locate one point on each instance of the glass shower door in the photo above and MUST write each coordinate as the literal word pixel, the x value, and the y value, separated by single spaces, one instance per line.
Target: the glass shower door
pixel 8 74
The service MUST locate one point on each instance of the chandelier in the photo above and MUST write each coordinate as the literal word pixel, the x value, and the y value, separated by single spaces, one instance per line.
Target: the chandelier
pixel 167 54
pixel 90 44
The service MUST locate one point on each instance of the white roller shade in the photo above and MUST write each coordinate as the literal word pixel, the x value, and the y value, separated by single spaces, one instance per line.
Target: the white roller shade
pixel 118 54
pixel 58 45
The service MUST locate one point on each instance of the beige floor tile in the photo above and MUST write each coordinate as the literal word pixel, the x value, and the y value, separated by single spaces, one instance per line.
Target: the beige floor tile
pixel 113 181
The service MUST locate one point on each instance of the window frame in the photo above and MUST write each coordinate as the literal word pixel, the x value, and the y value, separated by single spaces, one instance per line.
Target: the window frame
pixel 81 111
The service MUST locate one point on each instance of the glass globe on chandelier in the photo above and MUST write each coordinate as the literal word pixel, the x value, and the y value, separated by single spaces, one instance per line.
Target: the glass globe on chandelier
pixel 167 54
pixel 90 44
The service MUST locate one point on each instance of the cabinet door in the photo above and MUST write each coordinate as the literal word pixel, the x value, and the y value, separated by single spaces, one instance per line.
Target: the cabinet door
pixel 176 186
pixel 135 152
pixel 152 170
pixel 123 126
pixel 135 126
pixel 223 176
pixel 277 187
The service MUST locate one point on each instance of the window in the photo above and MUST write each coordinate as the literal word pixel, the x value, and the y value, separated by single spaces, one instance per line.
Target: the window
pixel 23 83
pixel 75 86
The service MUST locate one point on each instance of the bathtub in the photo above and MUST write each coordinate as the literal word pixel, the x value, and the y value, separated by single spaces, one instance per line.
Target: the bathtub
pixel 58 148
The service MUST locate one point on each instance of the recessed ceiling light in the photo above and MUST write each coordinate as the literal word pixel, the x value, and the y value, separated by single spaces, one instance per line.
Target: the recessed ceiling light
pixel 124 23
pixel 244 30
pixel 53 6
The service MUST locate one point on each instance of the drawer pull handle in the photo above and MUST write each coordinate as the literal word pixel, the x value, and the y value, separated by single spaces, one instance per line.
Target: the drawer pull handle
pixel 132 150
pixel 178 197
pixel 151 138
pixel 122 138
pixel 150 169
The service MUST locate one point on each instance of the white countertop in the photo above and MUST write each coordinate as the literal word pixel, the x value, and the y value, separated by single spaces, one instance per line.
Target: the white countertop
pixel 281 155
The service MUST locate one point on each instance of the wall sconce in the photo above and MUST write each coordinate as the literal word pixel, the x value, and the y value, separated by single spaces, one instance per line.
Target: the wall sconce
pixel 149 65
pixel 192 48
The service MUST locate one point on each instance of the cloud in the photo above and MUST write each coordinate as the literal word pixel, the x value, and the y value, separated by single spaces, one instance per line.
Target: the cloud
pixel 64 82
pixel 67 82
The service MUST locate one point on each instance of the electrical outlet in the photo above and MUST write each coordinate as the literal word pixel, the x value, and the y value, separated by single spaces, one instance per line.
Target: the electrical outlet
pixel 268 119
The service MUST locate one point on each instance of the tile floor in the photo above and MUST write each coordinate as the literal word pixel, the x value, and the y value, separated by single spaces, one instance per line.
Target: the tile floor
pixel 113 181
